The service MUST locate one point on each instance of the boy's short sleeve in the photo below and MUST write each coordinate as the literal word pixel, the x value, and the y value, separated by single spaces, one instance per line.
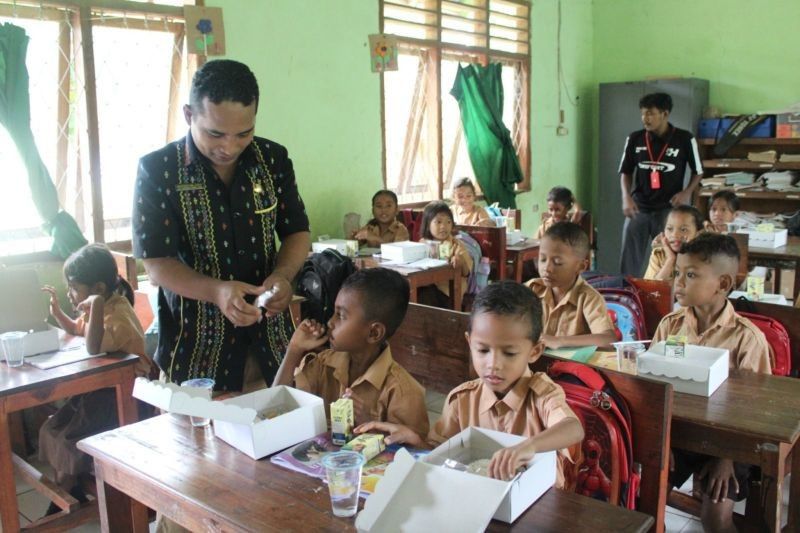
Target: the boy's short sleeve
pixel 155 224
pixel 449 423
pixel 550 402
pixel 308 375
pixel 401 233
pixel 406 405
pixel 753 353
pixel 595 313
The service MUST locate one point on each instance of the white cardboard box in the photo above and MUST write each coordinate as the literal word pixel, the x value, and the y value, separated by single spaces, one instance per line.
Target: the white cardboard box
pixel 766 239
pixel 237 420
pixel 343 246
pixel 404 251
pixel 43 341
pixel 424 496
pixel 514 237
pixel 701 372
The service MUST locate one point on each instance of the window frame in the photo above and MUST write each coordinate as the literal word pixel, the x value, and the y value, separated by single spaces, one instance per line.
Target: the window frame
pixel 482 56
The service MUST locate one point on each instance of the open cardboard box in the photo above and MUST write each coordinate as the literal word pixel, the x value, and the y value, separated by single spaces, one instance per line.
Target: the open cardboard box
pixel 343 246
pixel 238 421
pixel 701 372
pixel 24 308
pixel 424 496
pixel 404 251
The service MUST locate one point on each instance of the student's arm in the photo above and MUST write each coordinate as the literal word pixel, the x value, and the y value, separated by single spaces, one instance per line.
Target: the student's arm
pixel 667 269
pixel 685 196
pixel 93 306
pixel 64 322
pixel 308 336
pixel 396 434
pixel 505 462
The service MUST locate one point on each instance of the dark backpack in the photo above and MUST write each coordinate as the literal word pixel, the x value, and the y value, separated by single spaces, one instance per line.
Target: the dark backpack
pixel 607 471
pixel 319 282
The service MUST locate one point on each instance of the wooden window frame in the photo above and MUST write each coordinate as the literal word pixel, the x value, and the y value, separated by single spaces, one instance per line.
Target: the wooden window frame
pixel 481 55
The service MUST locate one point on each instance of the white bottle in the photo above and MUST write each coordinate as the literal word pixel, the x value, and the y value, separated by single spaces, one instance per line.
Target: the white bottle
pixel 482 273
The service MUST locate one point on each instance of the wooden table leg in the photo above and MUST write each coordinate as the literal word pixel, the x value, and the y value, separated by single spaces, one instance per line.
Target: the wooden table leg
pixel 796 288
pixel 412 296
pixel 118 511
pixel 518 264
pixel 793 523
pixel 126 405
pixel 455 291
pixel 9 514
pixel 774 500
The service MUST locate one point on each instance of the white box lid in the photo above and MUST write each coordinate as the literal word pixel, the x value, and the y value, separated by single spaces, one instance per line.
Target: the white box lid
pixel 699 363
pixel 404 244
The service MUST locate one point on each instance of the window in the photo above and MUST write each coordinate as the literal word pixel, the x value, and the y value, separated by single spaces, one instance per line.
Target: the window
pixel 424 146
pixel 140 74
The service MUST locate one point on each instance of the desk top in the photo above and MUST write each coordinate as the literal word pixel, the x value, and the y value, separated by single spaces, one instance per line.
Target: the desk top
pixel 26 377
pixel 527 244
pixel 167 459
pixel 790 251
pixel 756 404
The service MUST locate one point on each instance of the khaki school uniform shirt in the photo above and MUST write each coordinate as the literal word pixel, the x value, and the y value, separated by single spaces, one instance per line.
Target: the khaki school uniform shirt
pixel 657 259
pixel 477 217
pixel 396 232
pixel 582 311
pixel 386 387
pixel 534 404
pixel 747 345
pixel 122 331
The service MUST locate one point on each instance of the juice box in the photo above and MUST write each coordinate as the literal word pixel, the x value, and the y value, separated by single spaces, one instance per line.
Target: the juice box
pixel 755 287
pixel 368 444
pixel 675 346
pixel 342 421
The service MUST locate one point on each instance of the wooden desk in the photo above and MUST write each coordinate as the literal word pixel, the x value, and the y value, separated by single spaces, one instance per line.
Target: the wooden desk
pixel 422 278
pixel 517 254
pixel 751 418
pixel 789 253
pixel 28 386
pixel 204 484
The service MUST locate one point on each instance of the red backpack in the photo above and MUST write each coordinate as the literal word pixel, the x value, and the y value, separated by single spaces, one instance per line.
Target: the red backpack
pixel 780 351
pixel 628 299
pixel 607 471
pixel 413 222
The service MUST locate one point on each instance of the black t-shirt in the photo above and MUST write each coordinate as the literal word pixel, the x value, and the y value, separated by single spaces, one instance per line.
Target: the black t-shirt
pixel 681 149
pixel 183 210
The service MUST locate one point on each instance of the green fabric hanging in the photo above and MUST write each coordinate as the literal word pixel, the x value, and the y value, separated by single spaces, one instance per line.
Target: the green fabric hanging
pixel 479 92
pixel 15 116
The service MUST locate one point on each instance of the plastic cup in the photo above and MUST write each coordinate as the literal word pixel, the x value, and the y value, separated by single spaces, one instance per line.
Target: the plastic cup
pixel 628 356
pixel 205 384
pixel 14 347
pixel 432 248
pixel 343 470
pixel 501 222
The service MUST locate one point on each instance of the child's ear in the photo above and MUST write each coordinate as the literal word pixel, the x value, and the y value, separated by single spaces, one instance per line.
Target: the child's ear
pixel 727 283
pixel 377 333
pixel 536 352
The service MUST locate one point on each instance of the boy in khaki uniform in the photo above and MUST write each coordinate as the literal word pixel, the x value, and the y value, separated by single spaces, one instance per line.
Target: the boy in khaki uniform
pixel 369 308
pixel 705 273
pixel 505 326
pixel 575 314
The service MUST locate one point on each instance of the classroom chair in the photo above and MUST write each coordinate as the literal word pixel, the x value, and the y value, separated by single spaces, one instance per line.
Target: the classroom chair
pixel 493 245
pixel 126 265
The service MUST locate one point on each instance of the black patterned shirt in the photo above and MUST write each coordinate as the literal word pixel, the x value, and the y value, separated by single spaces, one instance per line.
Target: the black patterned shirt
pixel 182 209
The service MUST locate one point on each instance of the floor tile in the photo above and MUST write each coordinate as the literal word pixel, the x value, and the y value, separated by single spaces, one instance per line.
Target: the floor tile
pixel 674 523
pixel 694 526
pixel 32 505
pixel 678 512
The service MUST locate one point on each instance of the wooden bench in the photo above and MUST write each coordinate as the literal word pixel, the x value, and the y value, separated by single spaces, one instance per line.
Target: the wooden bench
pixel 430 344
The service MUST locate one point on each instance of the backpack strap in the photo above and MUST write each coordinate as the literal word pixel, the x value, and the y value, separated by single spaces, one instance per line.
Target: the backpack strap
pixel 586 374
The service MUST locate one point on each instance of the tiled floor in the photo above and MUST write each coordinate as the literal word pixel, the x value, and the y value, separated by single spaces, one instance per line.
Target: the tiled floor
pixel 32 505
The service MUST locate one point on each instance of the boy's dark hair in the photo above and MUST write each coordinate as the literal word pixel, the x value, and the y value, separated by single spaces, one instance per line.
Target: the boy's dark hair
pixel 509 298
pixel 384 295
pixel 707 246
pixel 384 192
pixel 697 216
pixel 570 234
pixel 94 263
pixel 730 198
pixel 223 80
pixel 464 182
pixel 661 101
pixel 431 210
pixel 561 195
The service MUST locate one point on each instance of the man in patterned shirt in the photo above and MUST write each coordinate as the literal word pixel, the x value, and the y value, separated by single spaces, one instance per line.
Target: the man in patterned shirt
pixel 207 209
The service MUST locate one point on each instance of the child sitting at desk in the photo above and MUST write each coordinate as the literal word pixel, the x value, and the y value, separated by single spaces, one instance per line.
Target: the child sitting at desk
pixel 465 212
pixel 722 211
pixel 384 226
pixel 438 225
pixel 575 314
pixel 503 339
pixel 561 207
pixel 705 274
pixel 369 308
pixel 109 324
pixel 683 224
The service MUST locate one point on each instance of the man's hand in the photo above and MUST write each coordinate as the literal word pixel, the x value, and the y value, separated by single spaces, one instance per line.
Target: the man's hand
pixel 505 462
pixel 718 474
pixel 308 336
pixel 282 293
pixel 230 298
pixel 682 198
pixel 629 207
pixel 397 433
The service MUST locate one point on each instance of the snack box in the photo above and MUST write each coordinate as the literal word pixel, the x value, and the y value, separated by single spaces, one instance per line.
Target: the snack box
pixel 367 444
pixel 404 251
pixel 766 239
pixel 701 371
pixel 343 246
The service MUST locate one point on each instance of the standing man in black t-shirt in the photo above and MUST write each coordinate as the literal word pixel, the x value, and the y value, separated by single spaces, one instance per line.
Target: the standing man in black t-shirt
pixel 651 176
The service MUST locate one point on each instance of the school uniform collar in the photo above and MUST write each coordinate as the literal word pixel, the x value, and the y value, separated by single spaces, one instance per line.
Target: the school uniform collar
pixel 514 399
pixel 376 373
pixel 543 291
pixel 727 319
pixel 193 156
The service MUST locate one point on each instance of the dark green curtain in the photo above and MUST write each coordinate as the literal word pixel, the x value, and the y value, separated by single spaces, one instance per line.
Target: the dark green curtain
pixel 479 92
pixel 15 116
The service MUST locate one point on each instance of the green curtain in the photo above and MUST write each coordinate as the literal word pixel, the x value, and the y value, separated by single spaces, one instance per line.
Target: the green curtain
pixel 15 116
pixel 479 92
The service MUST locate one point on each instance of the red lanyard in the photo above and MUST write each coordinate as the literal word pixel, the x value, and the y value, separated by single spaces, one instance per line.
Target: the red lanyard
pixel 663 150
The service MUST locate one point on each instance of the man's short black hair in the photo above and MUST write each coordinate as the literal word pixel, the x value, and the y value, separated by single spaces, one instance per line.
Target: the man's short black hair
pixel 223 80
pixel 697 216
pixel 431 210
pixel 661 101
pixel 509 298
pixel 707 246
pixel 730 198
pixel 561 195
pixel 384 295
pixel 570 234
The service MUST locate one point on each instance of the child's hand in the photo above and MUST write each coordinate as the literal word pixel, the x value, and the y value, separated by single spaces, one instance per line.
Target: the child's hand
pixel 361 410
pixel 657 241
pixel 506 462
pixel 361 234
pixel 55 309
pixel 308 336
pixel 86 305
pixel 144 366
pixel 397 433
pixel 718 474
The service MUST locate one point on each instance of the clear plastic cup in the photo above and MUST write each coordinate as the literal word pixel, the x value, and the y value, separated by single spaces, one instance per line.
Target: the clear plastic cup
pixel 343 470
pixel 14 347
pixel 501 222
pixel 628 356
pixel 206 384
pixel 432 248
